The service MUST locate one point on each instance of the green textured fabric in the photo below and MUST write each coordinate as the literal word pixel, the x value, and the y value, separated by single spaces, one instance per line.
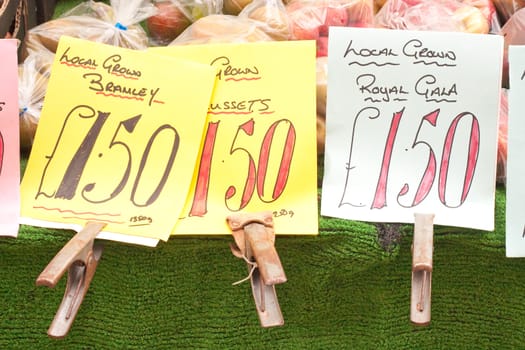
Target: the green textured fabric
pixel 343 291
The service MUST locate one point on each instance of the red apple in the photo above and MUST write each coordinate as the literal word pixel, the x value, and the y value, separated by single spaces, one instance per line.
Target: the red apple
pixel 360 13
pixel 322 46
pixel 302 33
pixel 360 24
pixel 334 16
pixel 305 19
pixel 168 23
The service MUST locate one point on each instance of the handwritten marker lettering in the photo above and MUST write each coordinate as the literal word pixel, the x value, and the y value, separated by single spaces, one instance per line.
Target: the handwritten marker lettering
pixel 259 105
pixel 69 186
pixel 228 72
pixel 414 48
pixel 449 197
pixel 367 86
pixel 370 52
pixel 112 66
pixel 258 181
pixel 112 89
pixel 96 84
pixel 77 61
pixel 426 86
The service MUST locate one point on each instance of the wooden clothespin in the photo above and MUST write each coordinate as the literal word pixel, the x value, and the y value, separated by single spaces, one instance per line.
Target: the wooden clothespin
pixel 422 251
pixel 79 257
pixel 255 243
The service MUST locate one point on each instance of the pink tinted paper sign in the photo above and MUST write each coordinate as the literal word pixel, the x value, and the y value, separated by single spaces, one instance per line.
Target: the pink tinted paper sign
pixel 9 139
pixel 412 120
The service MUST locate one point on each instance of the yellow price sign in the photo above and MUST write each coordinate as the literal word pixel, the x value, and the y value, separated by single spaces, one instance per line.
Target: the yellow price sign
pixel 259 151
pixel 117 141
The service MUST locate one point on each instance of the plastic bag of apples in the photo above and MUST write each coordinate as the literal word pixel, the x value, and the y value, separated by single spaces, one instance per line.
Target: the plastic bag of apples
pixel 471 16
pixel 175 16
pixel 310 19
pixel 259 20
pixel 116 24
pixel 513 32
pixel 33 76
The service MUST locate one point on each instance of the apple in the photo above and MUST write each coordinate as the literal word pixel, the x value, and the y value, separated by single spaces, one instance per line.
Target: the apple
pixel 167 23
pixel 223 29
pixel 360 13
pixel 321 133
pixel 274 19
pixel 334 16
pixel 471 19
pixel 322 46
pixel 234 7
pixel 302 33
pixel 306 18
pixel 321 84
pixel 485 6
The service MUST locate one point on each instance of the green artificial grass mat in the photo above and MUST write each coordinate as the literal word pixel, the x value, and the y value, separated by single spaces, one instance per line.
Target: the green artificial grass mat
pixel 343 291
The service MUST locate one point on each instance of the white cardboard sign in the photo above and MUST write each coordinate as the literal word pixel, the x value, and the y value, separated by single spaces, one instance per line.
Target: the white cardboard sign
pixel 515 191
pixel 412 122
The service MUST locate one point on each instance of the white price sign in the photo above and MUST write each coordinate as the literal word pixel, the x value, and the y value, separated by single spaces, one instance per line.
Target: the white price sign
pixel 515 221
pixel 412 122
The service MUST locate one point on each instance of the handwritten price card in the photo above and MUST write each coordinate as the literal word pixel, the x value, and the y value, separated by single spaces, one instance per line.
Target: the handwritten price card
pixel 9 139
pixel 259 152
pixel 412 120
pixel 515 185
pixel 117 141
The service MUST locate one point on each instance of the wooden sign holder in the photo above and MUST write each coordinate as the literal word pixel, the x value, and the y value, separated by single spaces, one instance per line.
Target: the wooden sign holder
pixel 80 258
pixel 422 251
pixel 255 243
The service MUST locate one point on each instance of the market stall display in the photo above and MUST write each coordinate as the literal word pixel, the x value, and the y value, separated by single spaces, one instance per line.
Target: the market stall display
pixel 140 25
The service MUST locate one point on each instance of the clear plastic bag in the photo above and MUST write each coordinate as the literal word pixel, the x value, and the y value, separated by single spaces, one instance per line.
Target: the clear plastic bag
pixel 174 16
pixel 378 4
pixel 223 29
pixel 272 15
pixel 234 7
pixel 33 76
pixel 321 84
pixel 513 32
pixel 501 169
pixel 471 16
pixel 506 8
pixel 115 24
pixel 310 19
